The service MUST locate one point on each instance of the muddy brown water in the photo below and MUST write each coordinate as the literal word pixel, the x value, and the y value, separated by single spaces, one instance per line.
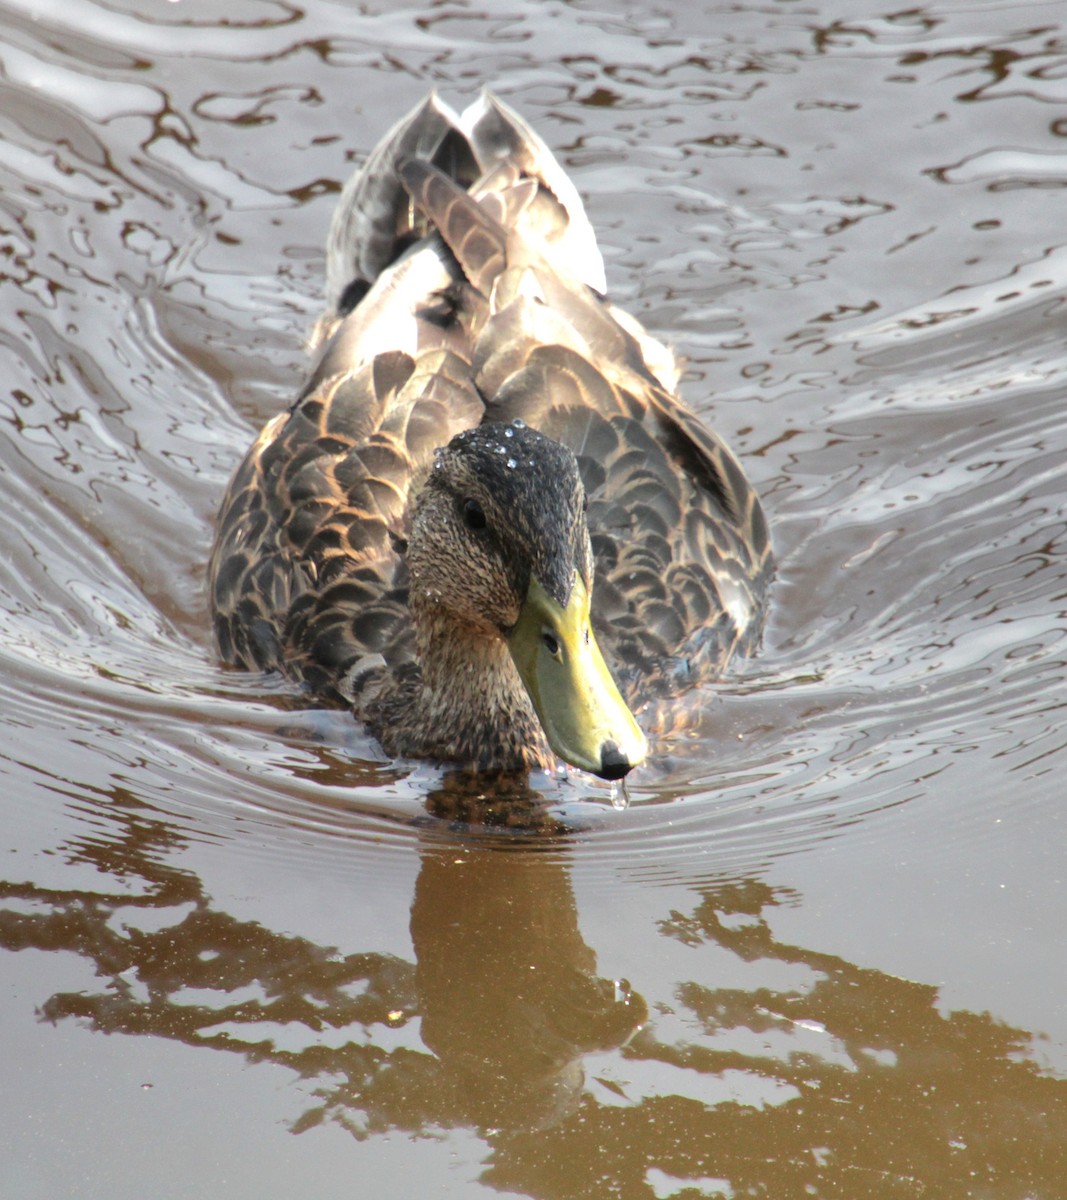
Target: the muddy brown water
pixel 821 953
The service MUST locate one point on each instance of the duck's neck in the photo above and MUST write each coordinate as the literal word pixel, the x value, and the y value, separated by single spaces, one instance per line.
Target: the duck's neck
pixel 470 705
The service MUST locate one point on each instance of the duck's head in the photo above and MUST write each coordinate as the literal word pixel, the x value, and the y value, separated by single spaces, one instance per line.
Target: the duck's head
pixel 499 542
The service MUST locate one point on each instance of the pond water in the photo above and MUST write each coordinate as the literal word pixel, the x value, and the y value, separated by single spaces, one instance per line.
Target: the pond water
pixel 821 952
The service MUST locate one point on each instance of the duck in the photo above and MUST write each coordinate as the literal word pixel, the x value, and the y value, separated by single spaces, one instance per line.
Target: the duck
pixel 488 524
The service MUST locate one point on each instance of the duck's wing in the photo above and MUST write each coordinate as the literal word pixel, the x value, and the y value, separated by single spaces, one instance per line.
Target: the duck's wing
pixel 682 548
pixel 307 571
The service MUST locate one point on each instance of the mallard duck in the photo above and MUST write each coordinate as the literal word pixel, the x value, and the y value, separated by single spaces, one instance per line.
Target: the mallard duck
pixel 488 524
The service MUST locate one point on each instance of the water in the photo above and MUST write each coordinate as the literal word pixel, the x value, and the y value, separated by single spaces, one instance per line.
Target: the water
pixel 820 952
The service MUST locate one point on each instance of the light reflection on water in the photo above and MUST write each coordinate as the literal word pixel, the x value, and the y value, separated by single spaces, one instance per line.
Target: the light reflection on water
pixel 874 321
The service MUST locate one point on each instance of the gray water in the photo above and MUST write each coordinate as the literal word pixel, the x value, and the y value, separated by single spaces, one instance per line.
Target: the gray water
pixel 821 952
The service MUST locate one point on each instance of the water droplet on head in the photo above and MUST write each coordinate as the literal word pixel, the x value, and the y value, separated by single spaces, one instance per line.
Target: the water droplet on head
pixel 519 423
pixel 511 463
pixel 509 432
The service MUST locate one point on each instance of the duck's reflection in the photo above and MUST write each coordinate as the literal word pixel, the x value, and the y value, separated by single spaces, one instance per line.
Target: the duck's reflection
pixel 845 1080
pixel 504 984
pixel 508 990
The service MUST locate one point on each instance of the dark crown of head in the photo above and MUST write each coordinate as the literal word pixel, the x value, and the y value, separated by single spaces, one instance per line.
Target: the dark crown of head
pixel 535 482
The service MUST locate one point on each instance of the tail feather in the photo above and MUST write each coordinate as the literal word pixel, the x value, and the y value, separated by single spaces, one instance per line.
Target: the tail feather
pixel 374 212
pixel 498 134
pixel 478 242
pixel 488 150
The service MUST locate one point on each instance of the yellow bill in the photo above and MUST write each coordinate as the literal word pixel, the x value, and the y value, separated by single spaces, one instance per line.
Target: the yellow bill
pixel 584 718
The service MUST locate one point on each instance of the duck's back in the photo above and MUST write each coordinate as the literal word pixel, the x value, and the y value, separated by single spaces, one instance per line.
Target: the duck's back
pixel 465 286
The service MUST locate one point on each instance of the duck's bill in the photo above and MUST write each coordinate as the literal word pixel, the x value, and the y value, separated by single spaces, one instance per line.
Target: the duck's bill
pixel 584 718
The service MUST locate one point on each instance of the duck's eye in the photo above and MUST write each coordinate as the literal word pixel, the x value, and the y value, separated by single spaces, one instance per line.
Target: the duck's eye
pixel 550 642
pixel 473 514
